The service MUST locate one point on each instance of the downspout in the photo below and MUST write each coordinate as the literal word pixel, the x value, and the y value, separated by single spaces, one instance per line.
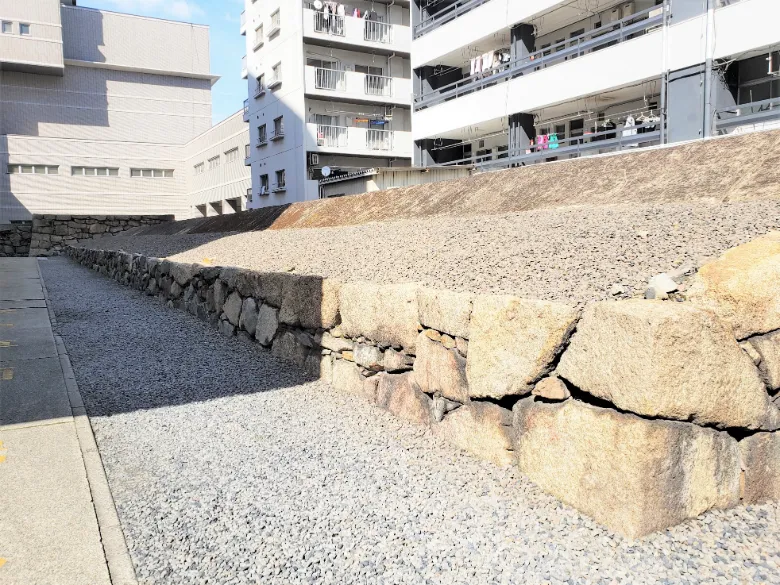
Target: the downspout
pixel 708 69
pixel 664 69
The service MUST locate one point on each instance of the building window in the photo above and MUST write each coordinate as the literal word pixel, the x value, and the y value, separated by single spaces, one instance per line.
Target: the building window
pixel 249 195
pixel 276 21
pixel 214 162
pixel 94 172
pixel 263 184
pixel 260 86
pixel 152 173
pixel 231 155
pixel 33 169
pixel 277 76
pixel 278 128
pixel 280 180
pixel 200 168
pixel 8 27
pixel 24 29
pixel 262 135
pixel 259 37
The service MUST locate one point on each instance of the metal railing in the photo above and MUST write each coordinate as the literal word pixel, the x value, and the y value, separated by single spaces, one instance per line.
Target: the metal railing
pixel 247 151
pixel 597 39
pixel 332 79
pixel 378 32
pixel 332 136
pixel 728 119
pixel 332 24
pixel 378 85
pixel 446 15
pixel 278 130
pixel 647 134
pixel 379 139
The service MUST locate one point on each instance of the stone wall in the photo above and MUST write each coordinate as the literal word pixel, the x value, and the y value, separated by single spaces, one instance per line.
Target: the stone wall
pixel 639 413
pixel 52 233
pixel 15 239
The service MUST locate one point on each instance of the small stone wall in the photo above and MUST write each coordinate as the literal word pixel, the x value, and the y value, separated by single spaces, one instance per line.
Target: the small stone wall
pixel 15 240
pixel 639 413
pixel 52 233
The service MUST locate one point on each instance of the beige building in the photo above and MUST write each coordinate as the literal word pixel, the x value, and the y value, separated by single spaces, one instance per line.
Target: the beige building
pixel 106 113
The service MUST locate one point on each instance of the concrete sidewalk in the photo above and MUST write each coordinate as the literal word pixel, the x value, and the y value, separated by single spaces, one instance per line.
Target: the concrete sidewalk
pixel 49 529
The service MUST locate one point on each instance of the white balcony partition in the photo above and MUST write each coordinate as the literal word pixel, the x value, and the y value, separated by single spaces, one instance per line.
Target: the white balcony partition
pixel 361 87
pixel 348 30
pixel 358 141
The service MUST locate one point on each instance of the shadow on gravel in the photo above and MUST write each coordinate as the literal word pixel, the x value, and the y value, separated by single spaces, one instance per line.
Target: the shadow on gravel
pixel 130 352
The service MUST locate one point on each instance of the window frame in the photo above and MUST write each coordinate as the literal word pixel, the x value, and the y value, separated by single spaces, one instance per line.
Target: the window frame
pixel 21 29
pixel 231 155
pixel 214 162
pixel 47 169
pixel 110 172
pixel 10 24
pixel 151 173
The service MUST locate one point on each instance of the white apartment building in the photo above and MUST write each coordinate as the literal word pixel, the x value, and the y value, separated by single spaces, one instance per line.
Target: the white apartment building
pixel 502 83
pixel 105 113
pixel 330 92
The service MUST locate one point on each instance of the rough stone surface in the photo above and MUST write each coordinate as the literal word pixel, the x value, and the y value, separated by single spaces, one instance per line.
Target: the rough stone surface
pixel 368 356
pixel 399 394
pixel 267 324
pixel 761 466
pixel 385 314
pixel 669 360
pixel 446 311
pixel 551 388
pixel 440 370
pixel 741 286
pixel 633 475
pixel 220 295
pixel 395 361
pixel 482 429
pixel 283 480
pixel 768 349
pixel 287 347
pixel 347 378
pixel 336 344
pixel 513 343
pixel 182 273
pixel 310 301
pixel 232 307
pixel 248 319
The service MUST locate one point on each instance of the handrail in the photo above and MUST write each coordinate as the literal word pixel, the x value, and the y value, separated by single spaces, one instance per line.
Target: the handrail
pixel 378 32
pixel 381 85
pixel 571 48
pixel 332 136
pixel 331 79
pixel 447 15
pixel 379 139
pixel 759 111
pixel 626 136
pixel 332 24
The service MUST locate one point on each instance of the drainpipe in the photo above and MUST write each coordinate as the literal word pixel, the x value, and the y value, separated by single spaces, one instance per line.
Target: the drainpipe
pixel 664 70
pixel 708 69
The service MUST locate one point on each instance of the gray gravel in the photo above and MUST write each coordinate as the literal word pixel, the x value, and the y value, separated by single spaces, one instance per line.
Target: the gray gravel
pixel 571 254
pixel 228 467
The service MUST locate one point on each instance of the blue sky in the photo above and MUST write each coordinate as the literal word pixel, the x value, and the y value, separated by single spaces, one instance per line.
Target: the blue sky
pixel 227 45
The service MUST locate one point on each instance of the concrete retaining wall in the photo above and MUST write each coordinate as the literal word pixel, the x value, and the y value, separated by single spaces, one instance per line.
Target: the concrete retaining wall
pixel 639 413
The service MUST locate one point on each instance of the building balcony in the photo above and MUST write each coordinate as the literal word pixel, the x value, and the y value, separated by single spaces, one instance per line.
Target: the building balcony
pixel 432 21
pixel 358 141
pixel 243 23
pixel 349 31
pixel 357 87
pixel 244 70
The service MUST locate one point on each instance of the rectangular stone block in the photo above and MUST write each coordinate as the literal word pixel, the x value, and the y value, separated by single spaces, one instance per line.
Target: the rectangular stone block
pixel 386 314
pixel 761 468
pixel 310 301
pixel 482 429
pixel 635 476
pixel 399 394
pixel 446 311
pixel 440 370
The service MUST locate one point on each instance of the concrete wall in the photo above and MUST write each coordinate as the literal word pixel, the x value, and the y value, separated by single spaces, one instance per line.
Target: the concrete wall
pixel 41 51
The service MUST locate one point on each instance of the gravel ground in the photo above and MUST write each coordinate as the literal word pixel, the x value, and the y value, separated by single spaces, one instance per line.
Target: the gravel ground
pixel 228 467
pixel 570 255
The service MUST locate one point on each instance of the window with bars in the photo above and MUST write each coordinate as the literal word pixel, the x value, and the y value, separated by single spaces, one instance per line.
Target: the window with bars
pixel 262 135
pixel 278 128
pixel 214 162
pixel 281 179
pixel 200 168
pixel 94 172
pixel 152 173
pixel 231 155
pixel 264 187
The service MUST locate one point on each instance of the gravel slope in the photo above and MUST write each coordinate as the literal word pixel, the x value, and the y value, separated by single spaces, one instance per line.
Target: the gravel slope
pixel 228 467
pixel 571 254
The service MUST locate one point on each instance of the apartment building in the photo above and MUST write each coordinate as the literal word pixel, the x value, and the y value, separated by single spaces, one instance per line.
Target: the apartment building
pixel 501 83
pixel 329 92
pixel 105 113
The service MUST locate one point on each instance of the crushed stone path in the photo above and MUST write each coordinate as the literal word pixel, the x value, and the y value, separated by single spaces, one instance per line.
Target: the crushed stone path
pixel 229 467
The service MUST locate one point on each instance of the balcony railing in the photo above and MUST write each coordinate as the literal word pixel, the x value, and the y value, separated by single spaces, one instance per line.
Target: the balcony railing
pixel 379 140
pixel 332 79
pixel 752 116
pixel 332 136
pixel 379 85
pixel 589 144
pixel 246 110
pixel 595 40
pixel 378 32
pixel 331 24
pixel 248 151
pixel 446 15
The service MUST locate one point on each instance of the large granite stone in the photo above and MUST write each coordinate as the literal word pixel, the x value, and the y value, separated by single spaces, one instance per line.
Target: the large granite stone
pixel 399 394
pixel 386 314
pixel 761 466
pixel 481 428
pixel 440 370
pixel 311 302
pixel 445 311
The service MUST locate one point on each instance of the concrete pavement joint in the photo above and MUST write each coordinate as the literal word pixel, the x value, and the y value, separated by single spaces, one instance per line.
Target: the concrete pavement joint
pixel 115 551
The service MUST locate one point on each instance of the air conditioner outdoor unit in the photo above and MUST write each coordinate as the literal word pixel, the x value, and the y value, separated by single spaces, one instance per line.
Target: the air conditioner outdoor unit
pixel 314 159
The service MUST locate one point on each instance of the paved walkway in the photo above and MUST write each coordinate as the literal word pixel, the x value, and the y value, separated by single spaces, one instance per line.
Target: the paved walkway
pixel 48 526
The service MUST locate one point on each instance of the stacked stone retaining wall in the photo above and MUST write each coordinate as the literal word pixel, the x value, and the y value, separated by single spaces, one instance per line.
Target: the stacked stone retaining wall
pixel 640 413
pixel 50 234
pixel 15 239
